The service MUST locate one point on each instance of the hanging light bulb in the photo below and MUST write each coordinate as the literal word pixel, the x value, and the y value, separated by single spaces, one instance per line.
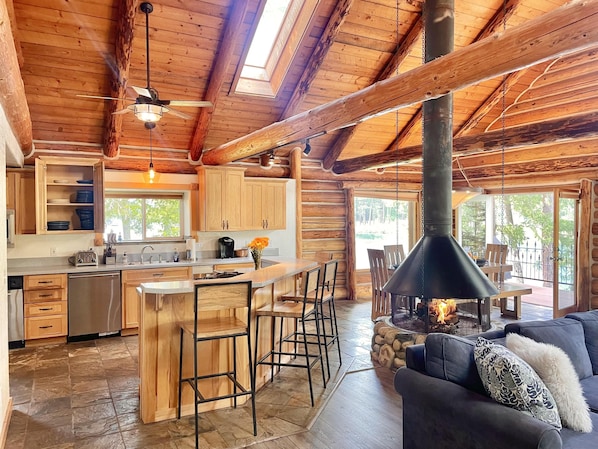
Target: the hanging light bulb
pixel 151 173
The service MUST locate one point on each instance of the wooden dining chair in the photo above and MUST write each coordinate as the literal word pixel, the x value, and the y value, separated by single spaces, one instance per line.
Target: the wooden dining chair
pixel 394 255
pixel 381 305
pixel 496 253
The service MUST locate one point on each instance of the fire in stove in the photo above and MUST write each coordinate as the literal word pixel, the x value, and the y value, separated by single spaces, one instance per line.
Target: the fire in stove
pixel 439 312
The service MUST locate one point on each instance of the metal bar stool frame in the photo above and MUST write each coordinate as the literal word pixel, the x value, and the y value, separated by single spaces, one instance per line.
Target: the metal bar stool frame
pixel 209 297
pixel 298 311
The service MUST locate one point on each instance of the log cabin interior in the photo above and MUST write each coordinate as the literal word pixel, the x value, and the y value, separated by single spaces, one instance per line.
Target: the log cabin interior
pixel 335 106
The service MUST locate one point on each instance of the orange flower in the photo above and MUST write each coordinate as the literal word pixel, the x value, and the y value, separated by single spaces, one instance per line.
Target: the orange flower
pixel 259 243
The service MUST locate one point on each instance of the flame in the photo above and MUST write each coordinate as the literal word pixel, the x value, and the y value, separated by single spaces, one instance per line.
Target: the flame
pixel 442 308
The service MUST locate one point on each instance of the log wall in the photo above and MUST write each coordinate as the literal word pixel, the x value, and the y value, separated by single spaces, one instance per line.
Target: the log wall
pixel 324 226
pixel 593 231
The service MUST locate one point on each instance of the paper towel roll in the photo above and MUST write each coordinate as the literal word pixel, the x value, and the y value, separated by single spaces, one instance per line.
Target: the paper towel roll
pixel 190 244
pixel 190 247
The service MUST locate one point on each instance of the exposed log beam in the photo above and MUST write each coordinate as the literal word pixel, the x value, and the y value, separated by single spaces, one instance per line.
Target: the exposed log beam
pixel 316 59
pixel 218 76
pixel 403 50
pixel 341 141
pixel 12 97
pixel 13 26
pixel 494 25
pixel 565 30
pixel 118 81
pixel 508 82
pixel 552 131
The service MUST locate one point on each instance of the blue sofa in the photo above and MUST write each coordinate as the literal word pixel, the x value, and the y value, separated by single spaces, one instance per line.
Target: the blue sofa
pixel 445 404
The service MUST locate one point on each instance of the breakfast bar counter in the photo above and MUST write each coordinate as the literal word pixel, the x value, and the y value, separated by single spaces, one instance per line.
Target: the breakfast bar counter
pixel 163 303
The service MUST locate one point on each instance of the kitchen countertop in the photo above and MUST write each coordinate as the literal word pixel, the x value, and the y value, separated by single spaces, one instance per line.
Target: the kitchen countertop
pixel 284 268
pixel 64 267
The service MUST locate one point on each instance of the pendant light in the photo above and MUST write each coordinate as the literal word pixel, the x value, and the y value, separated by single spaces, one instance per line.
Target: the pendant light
pixel 151 173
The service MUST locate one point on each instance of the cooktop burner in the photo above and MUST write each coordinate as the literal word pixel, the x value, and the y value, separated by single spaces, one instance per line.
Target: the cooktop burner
pixel 220 274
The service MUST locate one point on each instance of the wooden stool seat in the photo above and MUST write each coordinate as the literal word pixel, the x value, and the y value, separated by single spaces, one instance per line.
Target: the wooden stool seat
pixel 220 311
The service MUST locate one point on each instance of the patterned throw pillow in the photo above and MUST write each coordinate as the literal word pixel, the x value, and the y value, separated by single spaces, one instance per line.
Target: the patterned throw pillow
pixel 512 382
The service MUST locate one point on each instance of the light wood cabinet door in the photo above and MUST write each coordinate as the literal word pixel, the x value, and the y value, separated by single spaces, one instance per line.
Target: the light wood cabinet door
pixel 20 196
pixel 265 204
pixel 131 279
pixel 220 198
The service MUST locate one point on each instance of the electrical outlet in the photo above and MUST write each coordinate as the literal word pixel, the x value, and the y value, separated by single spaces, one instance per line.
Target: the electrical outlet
pixel 52 251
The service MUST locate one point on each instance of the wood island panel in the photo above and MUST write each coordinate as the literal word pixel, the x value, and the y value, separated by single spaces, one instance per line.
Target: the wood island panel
pixel 162 304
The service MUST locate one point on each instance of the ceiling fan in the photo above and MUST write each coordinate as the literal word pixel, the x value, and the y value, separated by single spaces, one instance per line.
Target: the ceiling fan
pixel 148 106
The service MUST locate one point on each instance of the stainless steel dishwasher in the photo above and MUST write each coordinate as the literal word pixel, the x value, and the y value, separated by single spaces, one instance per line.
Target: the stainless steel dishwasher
pixel 94 304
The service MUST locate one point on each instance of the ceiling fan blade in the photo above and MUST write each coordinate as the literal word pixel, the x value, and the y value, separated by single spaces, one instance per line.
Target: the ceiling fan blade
pixel 122 111
pixel 188 103
pixel 142 91
pixel 99 97
pixel 178 113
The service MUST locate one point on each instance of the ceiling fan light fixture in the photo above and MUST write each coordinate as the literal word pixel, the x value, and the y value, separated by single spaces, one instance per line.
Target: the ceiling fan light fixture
pixel 148 112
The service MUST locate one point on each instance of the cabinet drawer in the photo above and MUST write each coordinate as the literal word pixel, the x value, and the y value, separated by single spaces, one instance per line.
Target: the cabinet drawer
pixel 46 308
pixel 156 274
pixel 44 281
pixel 44 295
pixel 45 326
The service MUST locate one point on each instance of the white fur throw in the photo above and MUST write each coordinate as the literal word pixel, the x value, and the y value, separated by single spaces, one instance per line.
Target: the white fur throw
pixel 555 369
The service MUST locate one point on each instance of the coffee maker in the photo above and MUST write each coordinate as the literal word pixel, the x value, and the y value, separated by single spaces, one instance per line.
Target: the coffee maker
pixel 227 247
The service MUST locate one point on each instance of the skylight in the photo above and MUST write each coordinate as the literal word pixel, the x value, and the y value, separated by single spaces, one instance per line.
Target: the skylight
pixel 276 37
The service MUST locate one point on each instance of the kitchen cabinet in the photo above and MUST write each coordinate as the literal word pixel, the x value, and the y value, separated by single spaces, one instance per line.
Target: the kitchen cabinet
pixel 220 198
pixel 20 196
pixel 265 204
pixel 69 193
pixel 46 306
pixel 131 279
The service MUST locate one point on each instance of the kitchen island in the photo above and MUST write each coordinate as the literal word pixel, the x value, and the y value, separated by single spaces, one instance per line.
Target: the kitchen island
pixel 162 303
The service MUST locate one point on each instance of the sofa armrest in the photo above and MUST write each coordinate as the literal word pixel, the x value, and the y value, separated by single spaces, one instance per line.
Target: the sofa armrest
pixel 444 415
pixel 415 357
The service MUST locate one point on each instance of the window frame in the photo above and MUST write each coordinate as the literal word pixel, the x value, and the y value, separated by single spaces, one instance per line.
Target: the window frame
pixel 293 29
pixel 151 196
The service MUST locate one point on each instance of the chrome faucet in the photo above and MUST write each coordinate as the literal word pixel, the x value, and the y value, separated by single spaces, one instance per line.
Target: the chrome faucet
pixel 142 251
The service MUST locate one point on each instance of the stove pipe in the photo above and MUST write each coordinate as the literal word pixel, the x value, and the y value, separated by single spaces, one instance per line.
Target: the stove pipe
pixel 438 267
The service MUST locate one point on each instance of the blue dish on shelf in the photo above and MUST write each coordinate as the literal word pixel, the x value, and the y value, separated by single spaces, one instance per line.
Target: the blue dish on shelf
pixel 85 181
pixel 84 196
pixel 58 225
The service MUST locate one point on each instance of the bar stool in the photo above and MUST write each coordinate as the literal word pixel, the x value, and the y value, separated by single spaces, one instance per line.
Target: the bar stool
pixel 327 310
pixel 297 311
pixel 220 311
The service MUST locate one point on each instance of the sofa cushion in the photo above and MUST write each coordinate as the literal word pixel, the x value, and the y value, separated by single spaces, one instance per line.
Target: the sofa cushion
pixel 564 333
pixel 556 371
pixel 590 391
pixel 449 357
pixel 589 321
pixel 577 440
pixel 512 382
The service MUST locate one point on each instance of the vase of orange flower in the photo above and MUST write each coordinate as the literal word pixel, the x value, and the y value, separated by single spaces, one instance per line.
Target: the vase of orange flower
pixel 256 247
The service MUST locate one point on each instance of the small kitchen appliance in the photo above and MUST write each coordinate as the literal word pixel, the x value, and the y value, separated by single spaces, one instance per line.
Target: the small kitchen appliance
pixel 84 259
pixel 227 247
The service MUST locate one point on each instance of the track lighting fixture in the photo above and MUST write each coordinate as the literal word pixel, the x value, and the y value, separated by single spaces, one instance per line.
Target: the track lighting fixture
pixel 307 148
pixel 267 159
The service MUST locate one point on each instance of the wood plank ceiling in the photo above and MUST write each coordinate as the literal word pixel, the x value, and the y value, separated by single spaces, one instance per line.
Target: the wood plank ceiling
pixel 537 120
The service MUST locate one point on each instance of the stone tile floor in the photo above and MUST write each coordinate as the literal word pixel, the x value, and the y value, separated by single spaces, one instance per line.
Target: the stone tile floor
pixel 85 395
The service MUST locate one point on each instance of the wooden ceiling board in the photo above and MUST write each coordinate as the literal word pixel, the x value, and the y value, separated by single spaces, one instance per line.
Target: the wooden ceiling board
pixel 69 49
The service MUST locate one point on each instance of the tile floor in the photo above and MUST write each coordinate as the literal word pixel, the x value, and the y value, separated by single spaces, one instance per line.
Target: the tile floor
pixel 84 395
